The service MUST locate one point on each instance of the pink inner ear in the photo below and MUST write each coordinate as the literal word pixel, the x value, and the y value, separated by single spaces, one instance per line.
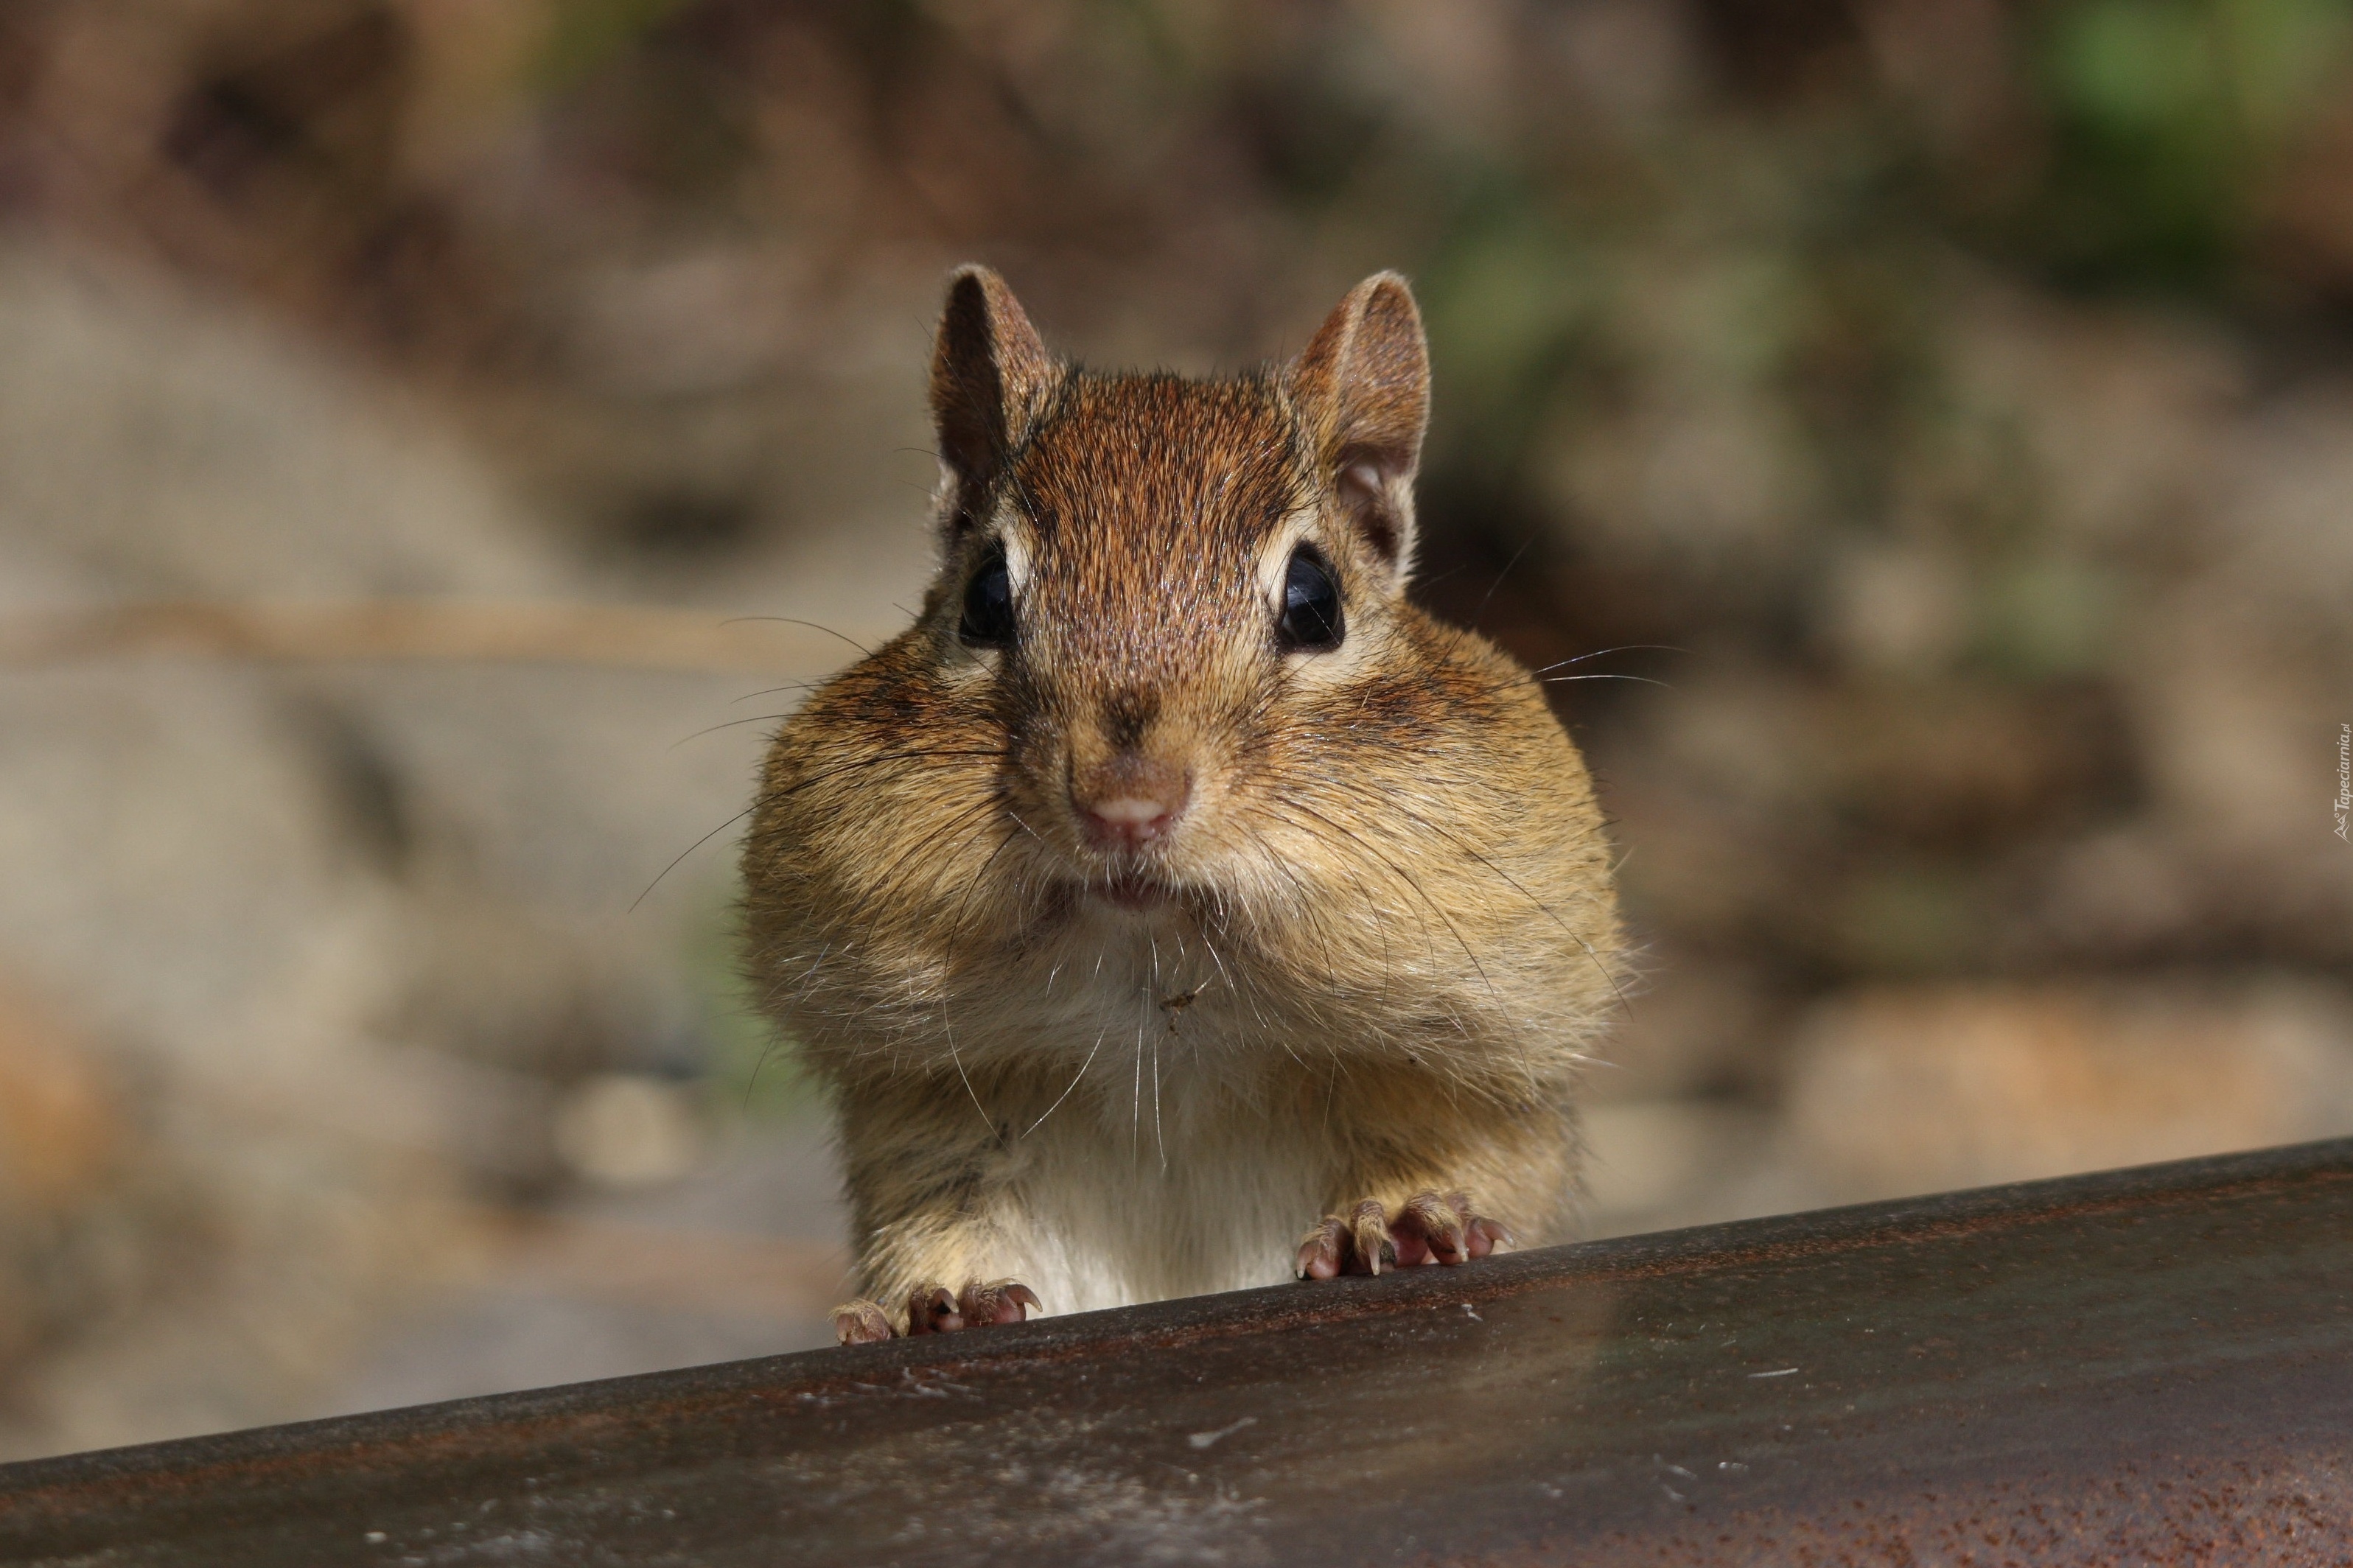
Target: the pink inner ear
pixel 1360 482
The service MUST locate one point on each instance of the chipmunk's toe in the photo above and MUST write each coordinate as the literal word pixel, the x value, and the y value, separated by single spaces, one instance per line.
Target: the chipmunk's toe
pixel 996 1301
pixel 933 1311
pixel 1323 1251
pixel 1427 1228
pixel 860 1322
pixel 1435 1227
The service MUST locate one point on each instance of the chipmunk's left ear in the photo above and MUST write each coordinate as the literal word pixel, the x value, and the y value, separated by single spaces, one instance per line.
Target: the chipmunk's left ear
pixel 1363 383
pixel 990 377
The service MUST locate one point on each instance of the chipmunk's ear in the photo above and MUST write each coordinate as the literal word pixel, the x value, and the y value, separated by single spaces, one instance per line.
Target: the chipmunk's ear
pixel 1363 384
pixel 991 376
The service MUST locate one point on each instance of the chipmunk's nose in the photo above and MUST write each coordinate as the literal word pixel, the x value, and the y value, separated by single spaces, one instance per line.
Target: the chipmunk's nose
pixel 1131 802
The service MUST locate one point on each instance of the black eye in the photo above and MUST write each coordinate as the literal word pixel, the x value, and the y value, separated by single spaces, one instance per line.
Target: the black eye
pixel 989 604
pixel 1311 603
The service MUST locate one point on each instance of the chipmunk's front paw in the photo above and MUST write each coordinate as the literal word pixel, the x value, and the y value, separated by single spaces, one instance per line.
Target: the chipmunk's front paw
pixel 1427 1228
pixel 931 1310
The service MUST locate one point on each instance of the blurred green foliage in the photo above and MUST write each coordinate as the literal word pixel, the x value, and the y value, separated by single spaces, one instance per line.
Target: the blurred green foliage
pixel 2167 112
pixel 586 35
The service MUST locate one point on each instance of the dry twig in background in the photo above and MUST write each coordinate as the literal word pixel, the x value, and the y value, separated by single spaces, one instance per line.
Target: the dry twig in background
pixel 619 637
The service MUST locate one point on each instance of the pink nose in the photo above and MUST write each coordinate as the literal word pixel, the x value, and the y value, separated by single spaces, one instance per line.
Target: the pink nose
pixel 1137 810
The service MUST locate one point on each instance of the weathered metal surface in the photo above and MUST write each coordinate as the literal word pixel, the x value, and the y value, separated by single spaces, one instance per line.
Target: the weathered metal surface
pixel 2148 1366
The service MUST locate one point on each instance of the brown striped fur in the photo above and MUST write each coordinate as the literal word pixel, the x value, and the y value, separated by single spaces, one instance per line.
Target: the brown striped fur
pixel 1366 962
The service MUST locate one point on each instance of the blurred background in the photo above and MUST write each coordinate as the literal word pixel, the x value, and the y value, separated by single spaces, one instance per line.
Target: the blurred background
pixel 1928 423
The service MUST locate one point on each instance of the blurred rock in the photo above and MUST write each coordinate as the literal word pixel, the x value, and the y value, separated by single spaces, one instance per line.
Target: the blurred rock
pixel 1894 1092
pixel 61 1124
pixel 158 442
pixel 1898 610
pixel 64 1134
pixel 626 1130
pixel 1656 1163
pixel 1690 1026
pixel 332 1005
pixel 268 1260
pixel 742 1257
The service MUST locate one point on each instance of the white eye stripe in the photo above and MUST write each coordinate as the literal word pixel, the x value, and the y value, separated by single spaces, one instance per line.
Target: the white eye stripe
pixel 1275 557
pixel 1013 538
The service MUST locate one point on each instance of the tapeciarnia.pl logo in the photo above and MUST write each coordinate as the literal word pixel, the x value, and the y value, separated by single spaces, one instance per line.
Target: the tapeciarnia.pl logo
pixel 2344 778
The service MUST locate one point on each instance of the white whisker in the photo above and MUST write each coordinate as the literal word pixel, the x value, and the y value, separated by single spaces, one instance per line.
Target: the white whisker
pixel 1075 1083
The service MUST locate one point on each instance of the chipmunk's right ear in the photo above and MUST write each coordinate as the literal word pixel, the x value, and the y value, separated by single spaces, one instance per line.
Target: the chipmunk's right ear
pixel 990 378
pixel 1362 385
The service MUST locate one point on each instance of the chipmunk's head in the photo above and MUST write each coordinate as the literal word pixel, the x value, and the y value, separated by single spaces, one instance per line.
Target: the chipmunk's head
pixel 1149 581
pixel 1166 684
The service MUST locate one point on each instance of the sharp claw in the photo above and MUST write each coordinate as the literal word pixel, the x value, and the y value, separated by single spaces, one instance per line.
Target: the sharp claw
pixel 1429 1228
pixel 1439 1223
pixel 933 1311
pixel 996 1302
pixel 1369 1232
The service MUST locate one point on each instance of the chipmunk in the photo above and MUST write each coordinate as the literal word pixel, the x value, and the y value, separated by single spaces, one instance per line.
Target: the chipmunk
pixel 1174 907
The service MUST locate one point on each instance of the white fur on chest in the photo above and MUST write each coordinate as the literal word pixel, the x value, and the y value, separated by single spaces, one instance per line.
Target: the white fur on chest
pixel 1104 1222
pixel 1168 1168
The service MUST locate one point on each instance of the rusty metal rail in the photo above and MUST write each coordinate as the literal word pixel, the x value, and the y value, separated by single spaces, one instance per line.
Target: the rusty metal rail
pixel 2152 1366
